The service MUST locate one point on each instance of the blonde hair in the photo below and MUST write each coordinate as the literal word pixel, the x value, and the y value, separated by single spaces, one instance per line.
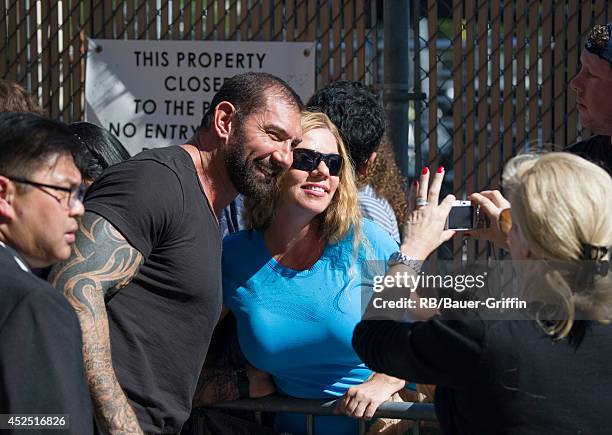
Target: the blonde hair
pixel 343 213
pixel 560 202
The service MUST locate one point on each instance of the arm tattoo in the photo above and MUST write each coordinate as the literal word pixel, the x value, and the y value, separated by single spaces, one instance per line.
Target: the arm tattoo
pixel 102 262
pixel 218 385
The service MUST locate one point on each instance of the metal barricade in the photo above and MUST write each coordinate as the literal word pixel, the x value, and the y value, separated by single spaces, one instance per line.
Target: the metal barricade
pixel 312 407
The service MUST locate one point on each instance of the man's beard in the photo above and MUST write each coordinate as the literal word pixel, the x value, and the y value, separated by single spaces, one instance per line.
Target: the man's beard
pixel 246 174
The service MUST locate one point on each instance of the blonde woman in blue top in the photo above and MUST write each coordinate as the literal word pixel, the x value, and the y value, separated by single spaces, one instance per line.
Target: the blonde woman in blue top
pixel 295 282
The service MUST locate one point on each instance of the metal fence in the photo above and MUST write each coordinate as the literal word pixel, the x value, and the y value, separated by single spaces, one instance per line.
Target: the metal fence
pixel 43 42
pixel 495 79
pixel 495 75
pixel 486 78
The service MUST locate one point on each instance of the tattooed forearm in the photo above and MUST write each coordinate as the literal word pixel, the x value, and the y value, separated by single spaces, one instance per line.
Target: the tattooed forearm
pixel 222 383
pixel 218 384
pixel 102 262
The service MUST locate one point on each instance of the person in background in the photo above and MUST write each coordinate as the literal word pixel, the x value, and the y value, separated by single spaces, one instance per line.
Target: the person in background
pixel 41 364
pixel 593 85
pixel 99 150
pixel 14 98
pixel 361 120
pixel 385 185
pixel 294 282
pixel 522 371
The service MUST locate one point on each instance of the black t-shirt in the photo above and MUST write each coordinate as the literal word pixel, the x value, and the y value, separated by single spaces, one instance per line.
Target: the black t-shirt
pixel 41 360
pixel 498 377
pixel 597 149
pixel 162 321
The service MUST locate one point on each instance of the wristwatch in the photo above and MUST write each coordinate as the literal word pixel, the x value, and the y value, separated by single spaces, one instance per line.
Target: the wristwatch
pixel 400 258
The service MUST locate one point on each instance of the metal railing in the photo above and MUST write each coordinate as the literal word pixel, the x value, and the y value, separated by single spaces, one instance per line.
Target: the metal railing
pixel 315 407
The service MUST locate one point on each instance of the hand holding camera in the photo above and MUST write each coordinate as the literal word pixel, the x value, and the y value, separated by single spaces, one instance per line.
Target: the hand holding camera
pixel 492 203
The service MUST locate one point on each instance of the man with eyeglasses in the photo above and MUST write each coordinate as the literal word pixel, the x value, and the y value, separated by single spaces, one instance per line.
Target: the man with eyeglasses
pixel 41 364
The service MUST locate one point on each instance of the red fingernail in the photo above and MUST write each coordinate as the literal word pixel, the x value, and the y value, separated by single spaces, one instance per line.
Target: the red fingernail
pixel 440 169
pixel 415 182
pixel 425 170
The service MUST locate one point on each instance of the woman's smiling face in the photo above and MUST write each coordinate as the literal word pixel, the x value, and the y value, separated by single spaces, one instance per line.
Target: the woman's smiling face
pixel 314 190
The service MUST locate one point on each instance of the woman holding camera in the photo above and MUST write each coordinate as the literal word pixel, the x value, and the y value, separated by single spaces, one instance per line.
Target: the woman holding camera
pixel 532 371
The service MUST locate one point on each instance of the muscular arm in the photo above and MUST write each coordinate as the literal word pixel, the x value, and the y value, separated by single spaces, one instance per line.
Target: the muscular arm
pixel 220 384
pixel 219 379
pixel 102 262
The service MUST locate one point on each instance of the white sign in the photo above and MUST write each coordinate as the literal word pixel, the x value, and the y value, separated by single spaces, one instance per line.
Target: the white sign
pixel 152 94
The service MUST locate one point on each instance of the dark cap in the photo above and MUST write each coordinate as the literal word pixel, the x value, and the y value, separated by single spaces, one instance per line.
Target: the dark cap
pixel 598 41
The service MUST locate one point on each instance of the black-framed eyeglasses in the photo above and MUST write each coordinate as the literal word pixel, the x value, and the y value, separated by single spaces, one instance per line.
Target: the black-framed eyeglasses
pixel 307 160
pixel 76 192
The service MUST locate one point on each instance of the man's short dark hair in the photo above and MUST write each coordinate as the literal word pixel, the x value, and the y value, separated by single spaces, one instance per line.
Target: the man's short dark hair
pixel 14 98
pixel 248 92
pixel 356 112
pixel 27 141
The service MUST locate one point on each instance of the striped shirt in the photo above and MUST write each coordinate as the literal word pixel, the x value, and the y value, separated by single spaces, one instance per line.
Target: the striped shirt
pixel 379 210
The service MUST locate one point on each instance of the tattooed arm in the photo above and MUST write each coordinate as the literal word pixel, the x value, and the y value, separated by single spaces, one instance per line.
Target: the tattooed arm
pixel 222 383
pixel 226 373
pixel 102 261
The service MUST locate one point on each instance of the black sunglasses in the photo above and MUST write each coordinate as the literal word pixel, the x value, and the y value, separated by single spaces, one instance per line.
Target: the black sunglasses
pixel 307 160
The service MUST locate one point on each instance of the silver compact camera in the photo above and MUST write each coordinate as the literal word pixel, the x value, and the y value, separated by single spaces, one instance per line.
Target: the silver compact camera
pixel 463 216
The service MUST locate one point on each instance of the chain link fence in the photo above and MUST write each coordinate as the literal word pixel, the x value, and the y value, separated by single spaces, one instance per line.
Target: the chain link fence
pixel 495 80
pixel 486 78
pixel 43 42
